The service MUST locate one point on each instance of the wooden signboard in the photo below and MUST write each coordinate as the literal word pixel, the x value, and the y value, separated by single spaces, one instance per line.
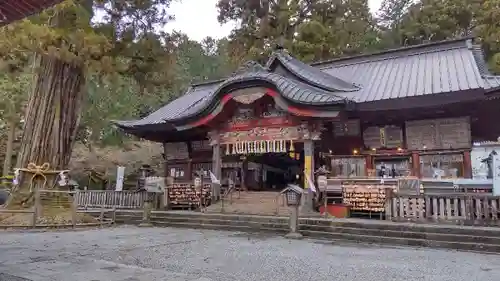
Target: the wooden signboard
pixel 371 137
pixel 202 145
pixel 350 128
pixel 393 137
pixel 449 133
pixel 176 151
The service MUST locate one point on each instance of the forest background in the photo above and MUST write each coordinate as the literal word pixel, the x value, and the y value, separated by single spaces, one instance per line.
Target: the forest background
pixel 128 67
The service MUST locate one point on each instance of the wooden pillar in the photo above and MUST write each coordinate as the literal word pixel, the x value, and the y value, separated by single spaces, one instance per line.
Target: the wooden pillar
pixel 307 207
pixel 369 165
pixel 467 165
pixel 167 172
pixel 216 166
pixel 244 173
pixel 308 161
pixel 189 171
pixel 415 159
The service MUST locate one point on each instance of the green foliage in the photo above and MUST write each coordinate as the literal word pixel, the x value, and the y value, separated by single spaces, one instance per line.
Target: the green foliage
pixel 311 29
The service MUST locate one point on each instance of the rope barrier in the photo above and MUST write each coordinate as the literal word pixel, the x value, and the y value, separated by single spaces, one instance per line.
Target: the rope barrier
pixel 38 172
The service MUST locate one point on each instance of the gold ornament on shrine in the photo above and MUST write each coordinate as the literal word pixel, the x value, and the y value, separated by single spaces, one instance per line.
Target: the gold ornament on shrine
pixel 291 150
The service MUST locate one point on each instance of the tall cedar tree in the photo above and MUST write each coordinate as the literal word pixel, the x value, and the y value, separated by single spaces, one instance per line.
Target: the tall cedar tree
pixel 71 41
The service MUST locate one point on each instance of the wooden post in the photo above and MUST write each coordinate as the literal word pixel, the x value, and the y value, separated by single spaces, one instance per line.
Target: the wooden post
pixel 388 203
pixel 74 208
pixel 467 165
pixel 309 171
pixel 216 164
pixel 189 171
pixel 415 159
pixel 146 215
pixel 36 207
pixel 101 216
pixel 244 174
pixel 113 215
pixel 369 164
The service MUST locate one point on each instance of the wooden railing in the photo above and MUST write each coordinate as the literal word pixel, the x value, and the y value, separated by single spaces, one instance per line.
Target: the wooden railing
pixel 111 199
pixel 470 209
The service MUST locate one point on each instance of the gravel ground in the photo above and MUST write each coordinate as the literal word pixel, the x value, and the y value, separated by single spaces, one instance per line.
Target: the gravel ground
pixel 136 254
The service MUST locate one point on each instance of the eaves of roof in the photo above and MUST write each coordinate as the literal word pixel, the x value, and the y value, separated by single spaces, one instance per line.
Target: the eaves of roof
pixel 200 100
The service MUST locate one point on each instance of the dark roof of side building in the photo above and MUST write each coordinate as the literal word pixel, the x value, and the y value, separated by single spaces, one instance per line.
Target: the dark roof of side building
pixel 427 69
pixel 14 10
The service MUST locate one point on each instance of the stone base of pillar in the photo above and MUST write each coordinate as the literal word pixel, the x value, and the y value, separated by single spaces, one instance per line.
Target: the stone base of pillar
pixel 145 224
pixel 294 235
pixel 307 208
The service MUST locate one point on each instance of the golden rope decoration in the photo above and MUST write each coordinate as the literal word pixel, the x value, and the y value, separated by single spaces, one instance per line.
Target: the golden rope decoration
pixel 38 171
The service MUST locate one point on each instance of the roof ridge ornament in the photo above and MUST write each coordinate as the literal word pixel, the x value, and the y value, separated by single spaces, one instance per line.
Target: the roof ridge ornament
pixel 249 66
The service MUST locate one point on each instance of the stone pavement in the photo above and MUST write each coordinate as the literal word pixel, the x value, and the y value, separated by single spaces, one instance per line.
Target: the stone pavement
pixel 136 254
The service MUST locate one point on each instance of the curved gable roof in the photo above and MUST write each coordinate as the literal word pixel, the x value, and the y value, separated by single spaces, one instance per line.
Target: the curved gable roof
pixel 311 75
pixel 295 88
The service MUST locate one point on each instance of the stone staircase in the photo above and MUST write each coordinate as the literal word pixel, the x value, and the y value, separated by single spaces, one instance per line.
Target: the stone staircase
pixel 251 203
pixel 466 238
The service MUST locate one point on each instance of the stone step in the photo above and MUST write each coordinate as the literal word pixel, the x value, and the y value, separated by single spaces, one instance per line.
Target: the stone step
pixel 280 223
pixel 408 227
pixel 404 234
pixel 448 241
pixel 455 245
pixel 346 223
pixel 422 236
pixel 249 202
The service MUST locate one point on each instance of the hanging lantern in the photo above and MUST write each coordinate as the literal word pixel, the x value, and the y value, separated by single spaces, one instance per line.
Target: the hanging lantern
pixel 261 144
pixel 282 146
pixel 245 148
pixel 234 149
pixel 268 146
pixel 228 149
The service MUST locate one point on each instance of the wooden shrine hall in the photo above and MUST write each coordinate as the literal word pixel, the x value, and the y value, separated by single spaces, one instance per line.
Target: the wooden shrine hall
pixel 401 112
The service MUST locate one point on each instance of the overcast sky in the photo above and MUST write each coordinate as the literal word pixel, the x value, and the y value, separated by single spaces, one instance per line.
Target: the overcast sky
pixel 198 18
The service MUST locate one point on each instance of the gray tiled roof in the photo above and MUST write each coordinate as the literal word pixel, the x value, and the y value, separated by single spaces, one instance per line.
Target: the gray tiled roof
pixel 313 75
pixel 302 86
pixel 443 67
pixel 426 70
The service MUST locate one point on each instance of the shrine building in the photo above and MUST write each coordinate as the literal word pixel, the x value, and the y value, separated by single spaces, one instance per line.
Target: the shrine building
pixel 400 112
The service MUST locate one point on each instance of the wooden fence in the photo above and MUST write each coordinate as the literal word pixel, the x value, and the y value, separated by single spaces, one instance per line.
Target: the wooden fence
pixel 469 209
pixel 112 199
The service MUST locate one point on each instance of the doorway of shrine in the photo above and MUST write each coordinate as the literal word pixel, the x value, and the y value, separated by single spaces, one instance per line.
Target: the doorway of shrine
pixel 265 170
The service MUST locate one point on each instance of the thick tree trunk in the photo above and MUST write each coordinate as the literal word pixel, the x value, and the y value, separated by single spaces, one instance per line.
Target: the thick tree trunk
pixel 51 123
pixel 11 134
pixel 53 114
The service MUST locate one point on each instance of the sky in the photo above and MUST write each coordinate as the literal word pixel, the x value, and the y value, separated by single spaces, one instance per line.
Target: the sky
pixel 198 18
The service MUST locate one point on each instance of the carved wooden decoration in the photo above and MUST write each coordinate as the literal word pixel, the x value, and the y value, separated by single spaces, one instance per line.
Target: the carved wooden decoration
pixel 248 98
